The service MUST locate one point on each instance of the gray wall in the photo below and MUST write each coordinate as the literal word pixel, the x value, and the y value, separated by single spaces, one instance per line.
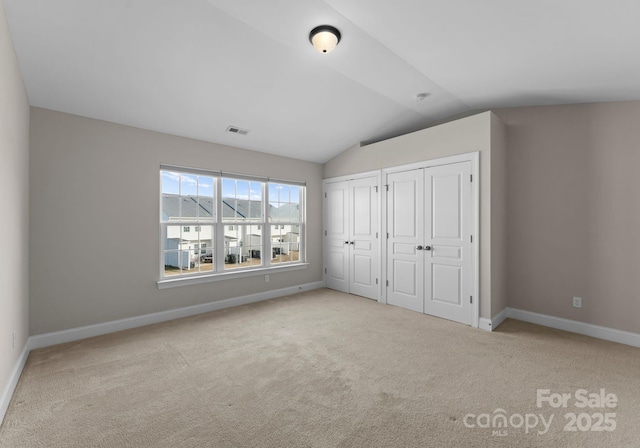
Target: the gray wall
pixel 94 211
pixel 499 216
pixel 564 208
pixel 457 137
pixel 574 211
pixel 14 225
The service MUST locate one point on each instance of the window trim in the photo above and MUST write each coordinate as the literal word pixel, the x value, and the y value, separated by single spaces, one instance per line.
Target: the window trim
pixel 218 236
pixel 195 279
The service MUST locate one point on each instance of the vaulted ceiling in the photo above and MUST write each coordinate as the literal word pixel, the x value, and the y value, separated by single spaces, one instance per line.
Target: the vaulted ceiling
pixel 194 67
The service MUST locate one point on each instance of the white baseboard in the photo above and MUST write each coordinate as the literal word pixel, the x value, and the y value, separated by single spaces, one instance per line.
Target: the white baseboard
pixel 499 318
pixel 75 334
pixel 485 324
pixel 5 399
pixel 573 326
pixel 492 324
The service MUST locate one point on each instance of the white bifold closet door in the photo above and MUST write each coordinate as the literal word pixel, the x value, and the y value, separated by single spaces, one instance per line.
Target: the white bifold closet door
pixel 429 219
pixel 351 236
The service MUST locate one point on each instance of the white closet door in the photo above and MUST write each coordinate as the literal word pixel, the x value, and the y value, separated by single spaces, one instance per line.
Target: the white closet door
pixel 405 225
pixel 363 237
pixel 447 245
pixel 337 236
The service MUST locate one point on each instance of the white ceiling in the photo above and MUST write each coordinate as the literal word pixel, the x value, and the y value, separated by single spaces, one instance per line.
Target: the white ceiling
pixel 194 67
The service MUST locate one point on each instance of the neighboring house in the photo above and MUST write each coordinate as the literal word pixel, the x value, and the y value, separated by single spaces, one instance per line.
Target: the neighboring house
pixel 191 244
pixel 187 243
pixel 285 237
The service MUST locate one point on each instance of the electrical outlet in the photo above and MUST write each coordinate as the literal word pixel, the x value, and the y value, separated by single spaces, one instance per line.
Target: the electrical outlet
pixel 577 302
pixel 266 278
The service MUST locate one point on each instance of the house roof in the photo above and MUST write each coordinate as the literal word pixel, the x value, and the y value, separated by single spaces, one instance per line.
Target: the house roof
pixel 232 209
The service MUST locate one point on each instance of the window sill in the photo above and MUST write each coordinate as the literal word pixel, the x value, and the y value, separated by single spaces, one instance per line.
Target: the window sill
pixel 185 281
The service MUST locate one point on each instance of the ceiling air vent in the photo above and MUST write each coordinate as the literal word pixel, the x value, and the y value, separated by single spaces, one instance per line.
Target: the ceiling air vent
pixel 237 130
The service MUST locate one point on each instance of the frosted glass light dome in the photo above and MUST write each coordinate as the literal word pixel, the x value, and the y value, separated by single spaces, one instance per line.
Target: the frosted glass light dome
pixel 324 38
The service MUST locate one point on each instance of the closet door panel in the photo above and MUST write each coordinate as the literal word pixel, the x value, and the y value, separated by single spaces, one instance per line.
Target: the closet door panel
pixel 364 257
pixel 405 225
pixel 448 227
pixel 336 241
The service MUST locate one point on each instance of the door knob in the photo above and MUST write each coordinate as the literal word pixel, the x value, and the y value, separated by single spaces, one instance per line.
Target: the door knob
pixel 352 242
pixel 427 247
pixel 346 242
pixel 419 247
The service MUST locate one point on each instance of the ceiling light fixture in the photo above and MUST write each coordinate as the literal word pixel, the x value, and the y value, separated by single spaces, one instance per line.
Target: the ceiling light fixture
pixel 324 38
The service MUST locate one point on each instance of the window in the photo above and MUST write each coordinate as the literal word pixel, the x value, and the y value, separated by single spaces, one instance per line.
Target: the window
pixel 285 208
pixel 242 212
pixel 186 200
pixel 215 223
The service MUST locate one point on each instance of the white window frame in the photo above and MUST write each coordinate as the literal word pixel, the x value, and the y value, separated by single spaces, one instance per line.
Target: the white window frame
pixel 218 237
pixel 281 225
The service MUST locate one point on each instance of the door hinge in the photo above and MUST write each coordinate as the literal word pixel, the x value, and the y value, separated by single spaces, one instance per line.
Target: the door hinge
pixel 325 270
pixel 387 235
pixel 376 281
pixel 387 186
pixel 470 299
pixel 470 177
pixel 471 238
pixel 325 195
pixel 376 187
pixel 376 234
pixel 325 233
pixel 387 283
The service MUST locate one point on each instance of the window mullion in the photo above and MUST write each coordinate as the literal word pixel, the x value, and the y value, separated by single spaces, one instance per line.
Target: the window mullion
pixel 266 228
pixel 302 248
pixel 163 248
pixel 219 228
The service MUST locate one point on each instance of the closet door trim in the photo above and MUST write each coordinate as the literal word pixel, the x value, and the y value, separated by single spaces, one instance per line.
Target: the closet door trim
pixel 474 158
pixel 379 241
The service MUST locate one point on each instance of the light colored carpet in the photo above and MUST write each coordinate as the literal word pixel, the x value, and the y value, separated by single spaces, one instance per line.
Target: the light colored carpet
pixel 318 369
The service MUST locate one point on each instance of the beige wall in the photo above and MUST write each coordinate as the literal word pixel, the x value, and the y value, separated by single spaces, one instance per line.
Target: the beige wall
pixel 574 211
pixel 95 208
pixel 14 224
pixel 457 137
pixel 563 211
pixel 499 216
